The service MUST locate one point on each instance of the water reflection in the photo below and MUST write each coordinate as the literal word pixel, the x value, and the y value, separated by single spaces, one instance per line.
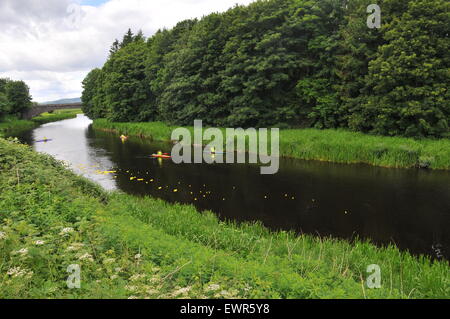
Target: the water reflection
pixel 68 143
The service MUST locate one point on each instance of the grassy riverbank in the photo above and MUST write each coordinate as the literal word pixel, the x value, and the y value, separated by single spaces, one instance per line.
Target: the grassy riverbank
pixel 130 247
pixel 57 115
pixel 15 125
pixel 11 125
pixel 328 145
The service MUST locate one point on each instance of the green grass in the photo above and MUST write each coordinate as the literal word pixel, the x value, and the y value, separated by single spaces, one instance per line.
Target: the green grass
pixel 158 131
pixel 327 145
pixel 57 115
pixel 12 126
pixel 133 247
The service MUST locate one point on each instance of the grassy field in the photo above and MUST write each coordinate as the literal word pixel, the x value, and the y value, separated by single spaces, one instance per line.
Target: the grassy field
pixel 133 247
pixel 12 125
pixel 56 115
pixel 327 145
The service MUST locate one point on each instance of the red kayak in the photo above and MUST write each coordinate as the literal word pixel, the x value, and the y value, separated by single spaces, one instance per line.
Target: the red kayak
pixel 161 156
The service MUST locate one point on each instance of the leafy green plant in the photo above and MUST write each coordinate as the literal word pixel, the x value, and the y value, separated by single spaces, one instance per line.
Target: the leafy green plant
pixel 131 247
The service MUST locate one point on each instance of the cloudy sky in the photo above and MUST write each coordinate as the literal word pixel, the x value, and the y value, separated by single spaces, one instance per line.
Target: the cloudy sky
pixel 52 44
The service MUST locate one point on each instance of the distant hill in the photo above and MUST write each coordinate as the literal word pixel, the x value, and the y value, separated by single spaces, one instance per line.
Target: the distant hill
pixel 64 101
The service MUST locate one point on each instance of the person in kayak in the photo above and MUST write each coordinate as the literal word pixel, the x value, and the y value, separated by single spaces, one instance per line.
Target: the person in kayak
pixel 44 140
pixel 160 154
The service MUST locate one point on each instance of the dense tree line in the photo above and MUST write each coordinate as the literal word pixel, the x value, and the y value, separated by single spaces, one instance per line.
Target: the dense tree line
pixel 14 97
pixel 287 63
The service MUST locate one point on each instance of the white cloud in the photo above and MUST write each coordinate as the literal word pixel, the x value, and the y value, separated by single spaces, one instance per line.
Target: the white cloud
pixel 49 46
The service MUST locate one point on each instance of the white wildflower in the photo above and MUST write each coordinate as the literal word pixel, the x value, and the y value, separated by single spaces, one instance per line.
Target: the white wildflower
pixel 23 252
pixel 155 279
pixel 212 287
pixel 130 288
pixel 137 256
pixel 182 291
pixel 152 291
pixel 86 256
pixel 14 271
pixel 247 287
pixel 2 235
pixel 75 247
pixel 109 261
pixel 39 242
pixel 136 277
pixel 118 269
pixel 19 272
pixel 225 294
pixel 66 230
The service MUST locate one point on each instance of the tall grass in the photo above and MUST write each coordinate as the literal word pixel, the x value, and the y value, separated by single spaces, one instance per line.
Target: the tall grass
pixel 11 125
pixel 352 147
pixel 327 145
pixel 153 130
pixel 404 275
pixel 57 115
pixel 146 248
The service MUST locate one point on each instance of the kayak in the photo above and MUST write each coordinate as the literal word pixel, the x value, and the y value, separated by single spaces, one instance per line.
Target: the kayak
pixel 160 156
pixel 43 141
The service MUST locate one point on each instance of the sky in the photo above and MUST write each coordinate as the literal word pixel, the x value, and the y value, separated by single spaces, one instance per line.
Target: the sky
pixel 53 44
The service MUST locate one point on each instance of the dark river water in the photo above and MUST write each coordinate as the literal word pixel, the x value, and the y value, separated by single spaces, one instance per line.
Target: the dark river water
pixel 408 207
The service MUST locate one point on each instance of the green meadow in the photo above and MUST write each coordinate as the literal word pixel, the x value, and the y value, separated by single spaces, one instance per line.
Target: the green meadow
pixel 331 145
pixel 56 115
pixel 11 125
pixel 130 247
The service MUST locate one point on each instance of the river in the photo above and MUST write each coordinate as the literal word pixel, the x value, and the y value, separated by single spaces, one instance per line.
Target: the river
pixel 407 207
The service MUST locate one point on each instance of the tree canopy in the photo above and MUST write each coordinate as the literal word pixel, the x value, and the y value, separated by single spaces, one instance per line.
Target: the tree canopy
pixel 15 97
pixel 287 63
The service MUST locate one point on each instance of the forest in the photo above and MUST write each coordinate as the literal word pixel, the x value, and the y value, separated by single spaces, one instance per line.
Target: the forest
pixel 15 97
pixel 286 64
